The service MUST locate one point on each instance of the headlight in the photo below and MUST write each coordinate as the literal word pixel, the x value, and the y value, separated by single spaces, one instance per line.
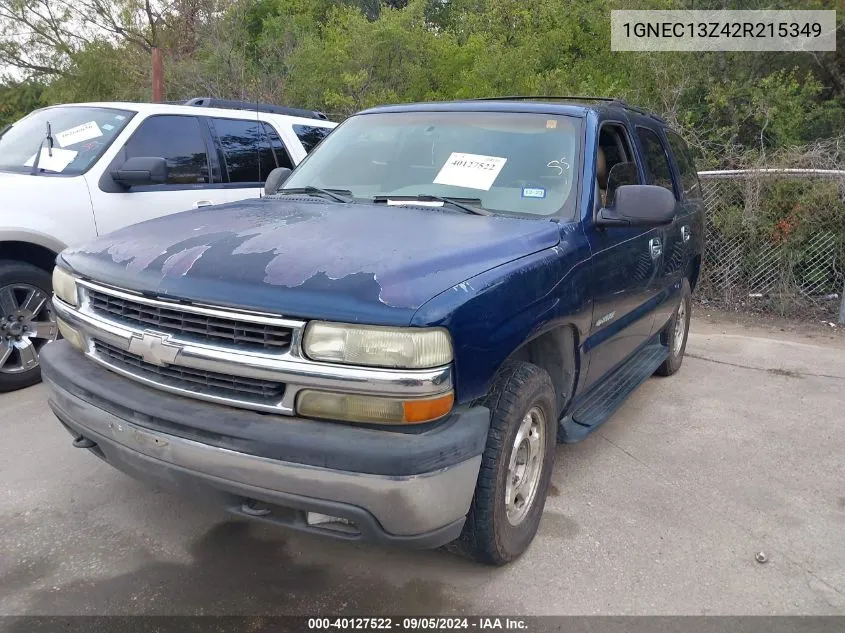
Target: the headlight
pixel 408 348
pixel 64 285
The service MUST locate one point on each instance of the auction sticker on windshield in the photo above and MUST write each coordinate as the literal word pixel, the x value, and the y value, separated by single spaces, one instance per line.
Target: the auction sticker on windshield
pixel 470 170
pixel 53 160
pixel 84 132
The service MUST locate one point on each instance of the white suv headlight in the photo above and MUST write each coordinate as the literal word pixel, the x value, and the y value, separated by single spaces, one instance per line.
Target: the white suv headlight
pixel 64 285
pixel 407 348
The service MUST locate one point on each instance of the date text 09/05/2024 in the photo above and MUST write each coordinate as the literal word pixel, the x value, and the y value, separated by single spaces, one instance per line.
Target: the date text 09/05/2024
pixel 417 623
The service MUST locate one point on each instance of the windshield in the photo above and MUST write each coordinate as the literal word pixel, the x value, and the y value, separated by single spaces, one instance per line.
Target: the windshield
pixel 80 135
pixel 511 163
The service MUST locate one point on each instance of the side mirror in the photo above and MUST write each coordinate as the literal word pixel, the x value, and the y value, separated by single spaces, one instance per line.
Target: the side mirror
pixel 141 170
pixel 639 205
pixel 275 179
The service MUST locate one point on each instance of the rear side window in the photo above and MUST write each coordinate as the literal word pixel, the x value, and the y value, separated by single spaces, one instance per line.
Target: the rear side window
pixel 310 135
pixel 179 141
pixel 686 166
pixel 247 154
pixel 279 149
pixel 658 171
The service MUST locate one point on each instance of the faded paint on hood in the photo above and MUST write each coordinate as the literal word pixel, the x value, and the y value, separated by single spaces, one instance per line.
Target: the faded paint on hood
pixel 310 258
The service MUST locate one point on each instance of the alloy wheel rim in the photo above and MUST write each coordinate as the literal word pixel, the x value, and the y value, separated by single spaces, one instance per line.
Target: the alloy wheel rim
pixel 680 328
pixel 525 466
pixel 27 323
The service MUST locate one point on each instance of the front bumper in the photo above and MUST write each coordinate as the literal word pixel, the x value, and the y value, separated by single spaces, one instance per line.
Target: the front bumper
pixel 145 434
pixel 289 367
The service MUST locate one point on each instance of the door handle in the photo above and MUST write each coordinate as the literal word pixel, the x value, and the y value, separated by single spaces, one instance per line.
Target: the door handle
pixel 202 203
pixel 655 247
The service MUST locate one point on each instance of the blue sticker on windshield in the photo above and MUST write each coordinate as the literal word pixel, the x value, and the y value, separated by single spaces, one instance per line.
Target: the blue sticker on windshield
pixel 533 192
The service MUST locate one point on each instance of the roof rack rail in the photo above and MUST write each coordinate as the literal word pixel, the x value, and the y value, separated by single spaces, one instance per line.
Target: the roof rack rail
pixel 620 102
pixel 651 115
pixel 551 98
pixel 231 104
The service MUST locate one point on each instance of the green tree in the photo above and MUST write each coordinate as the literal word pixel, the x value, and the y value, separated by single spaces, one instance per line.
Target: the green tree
pixel 19 98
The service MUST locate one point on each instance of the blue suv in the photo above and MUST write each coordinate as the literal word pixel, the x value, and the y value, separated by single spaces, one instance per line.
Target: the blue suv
pixel 389 345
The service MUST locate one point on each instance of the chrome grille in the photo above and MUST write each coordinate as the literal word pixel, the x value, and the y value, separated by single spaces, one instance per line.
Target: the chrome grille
pixel 172 320
pixel 195 380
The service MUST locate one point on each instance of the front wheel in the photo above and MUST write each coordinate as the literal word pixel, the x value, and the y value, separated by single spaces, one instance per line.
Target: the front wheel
pixel 27 323
pixel 516 466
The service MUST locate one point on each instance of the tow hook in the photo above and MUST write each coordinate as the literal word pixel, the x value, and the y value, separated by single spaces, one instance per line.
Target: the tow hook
pixel 83 442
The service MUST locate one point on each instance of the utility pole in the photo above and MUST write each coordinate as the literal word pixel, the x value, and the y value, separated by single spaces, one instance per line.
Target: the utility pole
pixel 158 75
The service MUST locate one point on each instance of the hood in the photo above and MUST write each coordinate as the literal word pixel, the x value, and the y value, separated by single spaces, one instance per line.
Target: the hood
pixel 308 258
pixel 25 191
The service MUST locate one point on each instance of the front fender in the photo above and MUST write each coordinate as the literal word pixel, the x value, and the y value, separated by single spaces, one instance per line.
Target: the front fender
pixel 32 237
pixel 494 313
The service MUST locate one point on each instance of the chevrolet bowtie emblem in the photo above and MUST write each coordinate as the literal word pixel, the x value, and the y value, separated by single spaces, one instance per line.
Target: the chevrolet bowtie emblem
pixel 154 349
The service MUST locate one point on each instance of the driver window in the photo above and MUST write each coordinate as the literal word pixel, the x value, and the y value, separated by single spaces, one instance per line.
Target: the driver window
pixel 615 162
pixel 176 138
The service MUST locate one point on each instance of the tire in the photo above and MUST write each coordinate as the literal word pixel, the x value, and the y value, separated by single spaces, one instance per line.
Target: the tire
pixel 522 391
pixel 19 348
pixel 671 333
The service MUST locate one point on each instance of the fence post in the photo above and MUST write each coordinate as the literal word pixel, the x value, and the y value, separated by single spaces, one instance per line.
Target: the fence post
pixel 842 307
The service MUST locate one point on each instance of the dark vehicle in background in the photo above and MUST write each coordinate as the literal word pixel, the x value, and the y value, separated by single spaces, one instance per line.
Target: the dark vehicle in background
pixel 390 346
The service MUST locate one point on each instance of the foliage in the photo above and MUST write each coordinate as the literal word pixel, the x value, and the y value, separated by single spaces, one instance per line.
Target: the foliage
pixel 343 55
pixel 18 99
pixel 737 110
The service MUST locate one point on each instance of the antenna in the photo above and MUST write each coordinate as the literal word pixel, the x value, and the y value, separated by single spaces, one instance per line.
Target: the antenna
pixel 261 136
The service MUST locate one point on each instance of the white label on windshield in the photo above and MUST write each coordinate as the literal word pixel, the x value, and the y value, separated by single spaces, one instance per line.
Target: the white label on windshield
pixel 84 132
pixel 470 170
pixel 414 203
pixel 60 159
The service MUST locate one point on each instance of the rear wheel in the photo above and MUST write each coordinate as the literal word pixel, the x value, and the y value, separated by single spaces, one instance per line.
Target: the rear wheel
pixel 516 466
pixel 674 335
pixel 27 323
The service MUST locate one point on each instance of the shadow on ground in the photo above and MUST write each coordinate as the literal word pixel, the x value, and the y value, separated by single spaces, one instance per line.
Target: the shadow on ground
pixel 235 572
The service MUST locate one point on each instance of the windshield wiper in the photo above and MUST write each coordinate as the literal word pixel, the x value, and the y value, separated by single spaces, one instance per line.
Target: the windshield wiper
pixel 341 195
pixel 469 205
pixel 49 139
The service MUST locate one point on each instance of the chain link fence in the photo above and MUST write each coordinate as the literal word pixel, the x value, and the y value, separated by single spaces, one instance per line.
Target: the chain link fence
pixel 775 241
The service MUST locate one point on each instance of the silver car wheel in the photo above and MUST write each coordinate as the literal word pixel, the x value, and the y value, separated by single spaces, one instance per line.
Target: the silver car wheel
pixel 27 323
pixel 680 328
pixel 525 466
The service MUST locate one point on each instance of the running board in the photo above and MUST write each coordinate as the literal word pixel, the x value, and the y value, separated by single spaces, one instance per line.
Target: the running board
pixel 597 405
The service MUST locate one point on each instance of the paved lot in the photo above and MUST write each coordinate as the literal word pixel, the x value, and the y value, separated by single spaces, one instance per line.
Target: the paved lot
pixel 661 512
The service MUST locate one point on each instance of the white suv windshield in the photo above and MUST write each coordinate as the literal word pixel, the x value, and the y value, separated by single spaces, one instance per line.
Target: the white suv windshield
pixel 80 135
pixel 513 163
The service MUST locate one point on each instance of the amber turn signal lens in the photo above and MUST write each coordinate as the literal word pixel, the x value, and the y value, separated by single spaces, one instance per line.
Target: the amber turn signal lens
pixel 71 335
pixel 424 410
pixel 373 409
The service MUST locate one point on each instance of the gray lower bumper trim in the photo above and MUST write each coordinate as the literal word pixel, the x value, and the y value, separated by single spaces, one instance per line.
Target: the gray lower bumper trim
pixel 403 506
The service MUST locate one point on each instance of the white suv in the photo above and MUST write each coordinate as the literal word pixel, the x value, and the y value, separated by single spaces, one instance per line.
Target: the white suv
pixel 71 172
